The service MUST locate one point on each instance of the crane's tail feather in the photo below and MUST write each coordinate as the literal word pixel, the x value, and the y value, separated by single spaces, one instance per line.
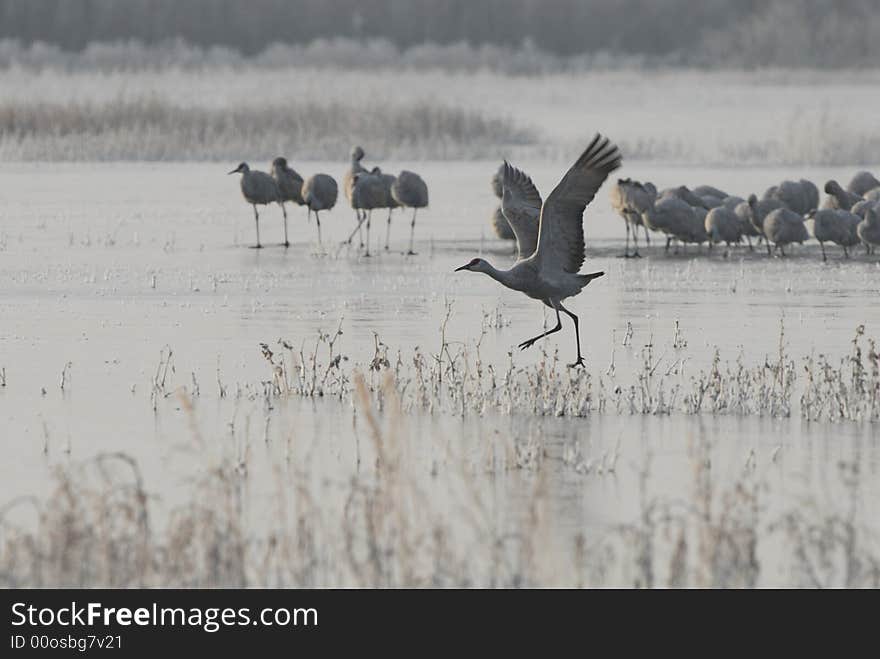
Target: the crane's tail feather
pixel 586 279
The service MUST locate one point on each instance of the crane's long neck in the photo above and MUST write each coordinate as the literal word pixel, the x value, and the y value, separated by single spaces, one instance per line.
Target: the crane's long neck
pixel 503 277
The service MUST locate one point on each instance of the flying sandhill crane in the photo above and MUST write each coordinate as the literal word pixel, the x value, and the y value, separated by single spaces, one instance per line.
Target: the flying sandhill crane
pixel 367 194
pixel 783 227
pixel 869 230
pixel 410 191
pixel 258 188
pixel 630 199
pixel 838 198
pixel 290 185
pixel 862 182
pixel 355 167
pixel 319 193
pixel 835 226
pixel 521 204
pixel 550 274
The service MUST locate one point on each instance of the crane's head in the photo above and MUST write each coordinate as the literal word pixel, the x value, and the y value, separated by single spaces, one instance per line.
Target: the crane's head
pixel 475 265
pixel 357 153
pixel 279 163
pixel 832 187
pixel 242 168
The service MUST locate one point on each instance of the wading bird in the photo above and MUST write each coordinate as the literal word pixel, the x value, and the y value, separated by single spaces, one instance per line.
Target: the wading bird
pixel 258 188
pixel 290 185
pixel 869 230
pixel 367 194
pixel 411 191
pixel 862 182
pixel 355 168
pixel 550 274
pixel 783 227
pixel 319 193
pixel 631 199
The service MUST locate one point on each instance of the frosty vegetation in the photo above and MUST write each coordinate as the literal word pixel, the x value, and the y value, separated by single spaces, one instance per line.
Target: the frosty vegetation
pixel 383 525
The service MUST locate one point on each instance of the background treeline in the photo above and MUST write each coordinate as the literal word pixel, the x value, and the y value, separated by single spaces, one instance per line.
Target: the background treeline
pixel 747 33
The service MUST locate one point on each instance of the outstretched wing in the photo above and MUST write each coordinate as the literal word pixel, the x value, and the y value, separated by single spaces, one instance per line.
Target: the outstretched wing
pixel 521 205
pixel 561 231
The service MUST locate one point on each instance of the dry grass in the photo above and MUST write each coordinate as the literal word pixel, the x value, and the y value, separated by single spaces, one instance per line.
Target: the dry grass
pixel 152 128
pixel 399 520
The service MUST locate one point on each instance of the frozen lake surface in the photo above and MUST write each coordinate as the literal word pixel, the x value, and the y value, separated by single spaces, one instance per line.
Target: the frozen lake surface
pixel 104 265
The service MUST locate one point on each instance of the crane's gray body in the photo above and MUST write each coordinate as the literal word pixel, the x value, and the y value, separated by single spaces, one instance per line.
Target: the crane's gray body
pixel 799 196
pixel 862 182
pixel 723 225
pixel 410 190
pixel 838 198
pixel 319 192
pixel 288 180
pixel 869 230
pixel 783 227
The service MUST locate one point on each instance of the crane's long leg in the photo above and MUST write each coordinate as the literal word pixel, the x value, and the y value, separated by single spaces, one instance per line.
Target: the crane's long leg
pixel 845 251
pixel 647 237
pixel 318 220
pixel 626 244
pixel 412 231
pixel 284 212
pixel 257 220
pixel 528 343
pixel 577 334
pixel 749 241
pixel 369 220
pixel 822 245
pixel 635 231
pixel 388 230
pixel 357 230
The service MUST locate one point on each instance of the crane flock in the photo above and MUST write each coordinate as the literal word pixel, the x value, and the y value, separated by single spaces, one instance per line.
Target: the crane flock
pixel 365 190
pixel 786 214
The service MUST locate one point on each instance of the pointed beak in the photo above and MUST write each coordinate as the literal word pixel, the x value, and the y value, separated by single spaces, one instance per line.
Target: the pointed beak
pixel 464 267
pixel 234 171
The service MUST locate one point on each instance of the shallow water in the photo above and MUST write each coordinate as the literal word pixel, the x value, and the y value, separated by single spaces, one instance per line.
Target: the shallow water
pixel 102 266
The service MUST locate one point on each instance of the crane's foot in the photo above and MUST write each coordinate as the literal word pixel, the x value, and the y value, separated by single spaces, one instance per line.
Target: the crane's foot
pixel 411 253
pixel 529 343
pixel 257 246
pixel 286 244
pixel 580 362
